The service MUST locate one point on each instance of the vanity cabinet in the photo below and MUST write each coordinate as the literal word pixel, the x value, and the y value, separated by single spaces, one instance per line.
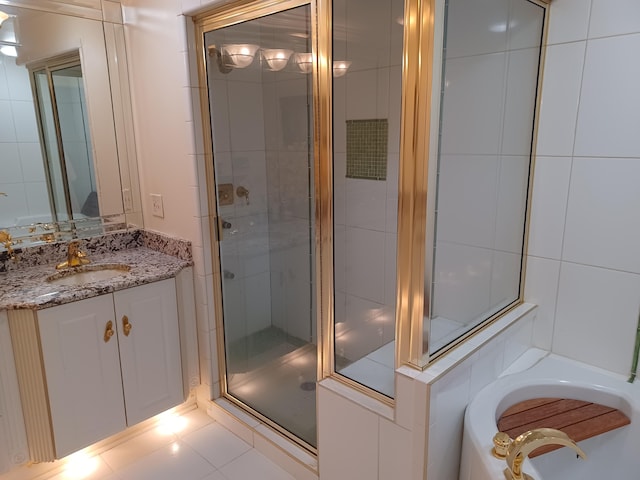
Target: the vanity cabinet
pixel 101 364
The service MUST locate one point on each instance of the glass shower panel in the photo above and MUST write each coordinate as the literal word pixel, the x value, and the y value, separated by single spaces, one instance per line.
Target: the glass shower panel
pixel 260 93
pixel 490 67
pixel 367 80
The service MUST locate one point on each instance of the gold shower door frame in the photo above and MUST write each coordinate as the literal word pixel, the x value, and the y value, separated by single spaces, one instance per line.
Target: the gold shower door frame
pixel 418 51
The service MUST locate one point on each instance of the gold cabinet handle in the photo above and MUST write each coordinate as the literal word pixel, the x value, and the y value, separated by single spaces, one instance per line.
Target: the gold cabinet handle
pixel 126 326
pixel 108 331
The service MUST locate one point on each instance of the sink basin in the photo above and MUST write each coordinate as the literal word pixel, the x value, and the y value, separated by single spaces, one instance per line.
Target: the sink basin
pixel 88 274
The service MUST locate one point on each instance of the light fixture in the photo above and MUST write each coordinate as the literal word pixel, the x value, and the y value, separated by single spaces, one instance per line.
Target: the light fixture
pixel 241 54
pixel 340 67
pixel 233 56
pixel 9 50
pixel 276 58
pixel 304 62
pixel 3 16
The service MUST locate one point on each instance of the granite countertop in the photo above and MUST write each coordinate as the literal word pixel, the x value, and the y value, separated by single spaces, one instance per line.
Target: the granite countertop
pixel 28 288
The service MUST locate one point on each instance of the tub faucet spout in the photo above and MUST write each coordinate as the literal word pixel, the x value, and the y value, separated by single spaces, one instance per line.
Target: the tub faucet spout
pixel 526 443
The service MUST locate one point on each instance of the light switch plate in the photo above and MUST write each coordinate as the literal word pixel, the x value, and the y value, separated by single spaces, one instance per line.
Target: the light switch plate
pixel 157 209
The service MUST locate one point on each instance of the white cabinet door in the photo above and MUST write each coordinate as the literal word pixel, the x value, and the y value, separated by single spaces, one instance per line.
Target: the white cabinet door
pixel 150 349
pixel 82 372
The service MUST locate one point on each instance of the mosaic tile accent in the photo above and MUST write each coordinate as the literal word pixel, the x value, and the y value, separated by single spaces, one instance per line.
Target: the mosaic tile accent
pixel 367 148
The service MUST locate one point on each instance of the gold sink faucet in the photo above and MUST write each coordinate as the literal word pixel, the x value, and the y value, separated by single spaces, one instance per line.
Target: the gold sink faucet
pixel 75 257
pixel 7 241
pixel 526 443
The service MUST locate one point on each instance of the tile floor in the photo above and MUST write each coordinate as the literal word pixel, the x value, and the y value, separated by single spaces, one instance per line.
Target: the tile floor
pixel 190 447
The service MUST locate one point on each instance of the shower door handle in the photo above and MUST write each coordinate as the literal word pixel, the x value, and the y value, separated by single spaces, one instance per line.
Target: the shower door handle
pixel 222 225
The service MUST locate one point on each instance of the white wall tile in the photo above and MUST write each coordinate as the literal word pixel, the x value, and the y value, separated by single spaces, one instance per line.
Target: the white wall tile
pixel 4 86
pixel 549 206
pixel 525 24
pixel 462 281
pixel 610 99
pixel 602 227
pixel 364 268
pixel 394 457
pixel 390 269
pixel 449 399
pixel 520 101
pixel 10 162
pixel 472 104
pixel 7 126
pixel 365 203
pixel 568 21
pixel 18 82
pixel 597 316
pixel 512 203
pixel 486 366
pixel 467 187
pixel 24 116
pixel 31 161
pixel 245 116
pixel 475 28
pixel 517 340
pixel 37 198
pixel 541 288
pixel 348 434
pixel 505 279
pixel 614 17
pixel 361 94
pixel 560 96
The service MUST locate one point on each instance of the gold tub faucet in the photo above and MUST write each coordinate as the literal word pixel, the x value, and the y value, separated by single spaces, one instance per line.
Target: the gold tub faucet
pixel 526 443
pixel 75 257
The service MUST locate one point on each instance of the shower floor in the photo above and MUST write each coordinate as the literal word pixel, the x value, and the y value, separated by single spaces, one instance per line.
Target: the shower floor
pixel 276 379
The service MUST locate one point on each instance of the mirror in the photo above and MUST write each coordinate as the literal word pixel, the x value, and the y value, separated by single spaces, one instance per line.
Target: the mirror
pixel 29 39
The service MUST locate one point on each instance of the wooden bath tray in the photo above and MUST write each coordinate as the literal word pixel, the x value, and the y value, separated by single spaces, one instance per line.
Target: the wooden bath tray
pixel 580 420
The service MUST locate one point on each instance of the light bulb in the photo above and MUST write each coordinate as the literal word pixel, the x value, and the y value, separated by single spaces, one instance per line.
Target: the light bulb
pixel 241 55
pixel 304 62
pixel 340 67
pixel 276 58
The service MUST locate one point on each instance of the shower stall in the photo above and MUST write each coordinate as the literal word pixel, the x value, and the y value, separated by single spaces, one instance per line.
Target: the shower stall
pixel 358 150
pixel 261 102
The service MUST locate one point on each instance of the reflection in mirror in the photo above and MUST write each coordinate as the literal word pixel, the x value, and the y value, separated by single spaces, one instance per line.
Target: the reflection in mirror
pixel 65 175
pixel 488 97
pixel 63 123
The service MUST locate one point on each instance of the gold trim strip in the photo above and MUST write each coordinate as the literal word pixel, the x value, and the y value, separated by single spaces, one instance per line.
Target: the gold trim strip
pixel 32 382
pixel 412 202
pixel 323 149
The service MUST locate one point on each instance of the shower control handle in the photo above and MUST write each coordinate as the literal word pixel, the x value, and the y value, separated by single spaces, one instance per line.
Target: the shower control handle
pixel 226 225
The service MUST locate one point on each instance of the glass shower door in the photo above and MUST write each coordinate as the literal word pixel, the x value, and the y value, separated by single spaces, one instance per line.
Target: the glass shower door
pixel 260 94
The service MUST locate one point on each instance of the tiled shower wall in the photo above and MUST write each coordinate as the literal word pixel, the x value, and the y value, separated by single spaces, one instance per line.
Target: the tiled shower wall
pixel 21 164
pixel 584 263
pixel 489 86
pixel 366 211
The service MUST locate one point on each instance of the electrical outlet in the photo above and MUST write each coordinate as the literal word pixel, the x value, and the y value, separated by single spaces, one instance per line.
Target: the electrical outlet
pixel 156 205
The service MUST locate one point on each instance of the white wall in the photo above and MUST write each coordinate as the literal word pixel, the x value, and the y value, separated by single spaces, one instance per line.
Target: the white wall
pixel 584 249
pixel 171 160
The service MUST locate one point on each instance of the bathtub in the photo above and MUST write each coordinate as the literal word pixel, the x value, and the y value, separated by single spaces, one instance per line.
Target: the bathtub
pixel 615 454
